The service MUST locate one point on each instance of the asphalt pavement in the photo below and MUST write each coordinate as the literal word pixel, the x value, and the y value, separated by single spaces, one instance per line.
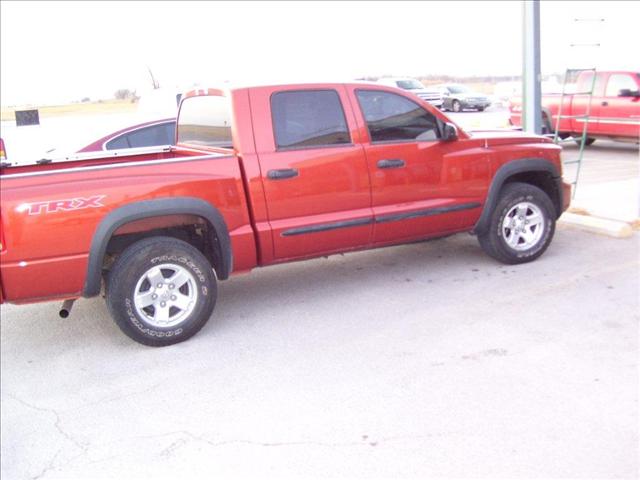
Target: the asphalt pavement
pixel 419 361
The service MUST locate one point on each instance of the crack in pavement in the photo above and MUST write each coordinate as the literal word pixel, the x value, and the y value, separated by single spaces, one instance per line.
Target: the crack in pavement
pixel 58 426
pixel 365 440
pixel 120 397
pixel 49 466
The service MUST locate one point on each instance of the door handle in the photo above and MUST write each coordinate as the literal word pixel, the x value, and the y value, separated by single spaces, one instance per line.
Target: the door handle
pixel 282 173
pixel 391 163
pixel 605 104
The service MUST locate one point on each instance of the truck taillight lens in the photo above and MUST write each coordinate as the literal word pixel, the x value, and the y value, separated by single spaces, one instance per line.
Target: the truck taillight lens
pixel 2 244
pixel 3 151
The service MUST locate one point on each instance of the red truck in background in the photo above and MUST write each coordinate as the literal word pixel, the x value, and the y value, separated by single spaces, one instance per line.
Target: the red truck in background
pixel 615 108
pixel 260 176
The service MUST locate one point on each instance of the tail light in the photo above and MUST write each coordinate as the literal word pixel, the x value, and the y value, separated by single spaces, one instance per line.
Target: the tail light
pixel 3 151
pixel 2 244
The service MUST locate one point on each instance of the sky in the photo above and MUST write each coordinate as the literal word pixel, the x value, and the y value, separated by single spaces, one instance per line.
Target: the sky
pixel 56 52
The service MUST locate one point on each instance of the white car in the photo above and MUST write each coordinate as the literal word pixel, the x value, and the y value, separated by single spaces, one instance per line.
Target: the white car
pixel 431 95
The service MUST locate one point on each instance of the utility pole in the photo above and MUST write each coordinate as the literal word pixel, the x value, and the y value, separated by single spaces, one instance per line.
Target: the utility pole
pixel 531 91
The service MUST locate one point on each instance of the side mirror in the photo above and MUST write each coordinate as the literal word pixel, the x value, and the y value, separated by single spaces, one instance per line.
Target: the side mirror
pixel 627 92
pixel 449 132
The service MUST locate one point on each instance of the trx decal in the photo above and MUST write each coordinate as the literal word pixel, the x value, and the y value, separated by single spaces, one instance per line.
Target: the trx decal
pixel 66 205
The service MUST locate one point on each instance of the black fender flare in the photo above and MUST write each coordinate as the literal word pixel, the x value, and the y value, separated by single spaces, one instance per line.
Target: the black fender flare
pixel 147 209
pixel 502 175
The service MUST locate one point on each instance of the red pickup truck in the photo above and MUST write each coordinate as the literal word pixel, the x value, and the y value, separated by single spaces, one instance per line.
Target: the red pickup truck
pixel 615 108
pixel 259 176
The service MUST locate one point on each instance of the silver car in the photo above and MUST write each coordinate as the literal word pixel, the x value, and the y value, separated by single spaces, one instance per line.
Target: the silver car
pixel 431 95
pixel 460 97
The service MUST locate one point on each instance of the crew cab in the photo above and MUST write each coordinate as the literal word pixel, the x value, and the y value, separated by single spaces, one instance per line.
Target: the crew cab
pixel 614 113
pixel 259 176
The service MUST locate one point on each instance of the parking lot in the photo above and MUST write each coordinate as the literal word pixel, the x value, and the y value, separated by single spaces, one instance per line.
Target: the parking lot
pixel 417 361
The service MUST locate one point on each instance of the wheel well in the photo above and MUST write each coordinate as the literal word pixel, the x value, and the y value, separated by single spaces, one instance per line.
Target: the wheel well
pixel 544 181
pixel 192 229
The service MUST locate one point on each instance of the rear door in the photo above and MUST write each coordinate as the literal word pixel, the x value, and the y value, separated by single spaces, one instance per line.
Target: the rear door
pixel 619 113
pixel 420 185
pixel 313 170
pixel 581 99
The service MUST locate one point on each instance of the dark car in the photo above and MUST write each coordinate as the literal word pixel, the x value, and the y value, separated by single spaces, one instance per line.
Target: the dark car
pixel 460 97
pixel 148 134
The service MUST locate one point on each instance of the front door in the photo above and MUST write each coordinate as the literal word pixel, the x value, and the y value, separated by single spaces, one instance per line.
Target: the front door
pixel 619 113
pixel 421 186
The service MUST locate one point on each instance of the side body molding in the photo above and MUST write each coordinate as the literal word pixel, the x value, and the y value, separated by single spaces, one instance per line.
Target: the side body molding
pixel 527 165
pixel 147 209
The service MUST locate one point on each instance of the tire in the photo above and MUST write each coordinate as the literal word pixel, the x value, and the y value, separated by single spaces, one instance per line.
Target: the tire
pixel 456 106
pixel 546 125
pixel 587 141
pixel 512 236
pixel 166 312
pixel 480 109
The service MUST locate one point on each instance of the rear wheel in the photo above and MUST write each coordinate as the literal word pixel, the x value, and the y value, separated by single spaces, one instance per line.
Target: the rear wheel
pixel 522 225
pixel 161 291
pixel 480 109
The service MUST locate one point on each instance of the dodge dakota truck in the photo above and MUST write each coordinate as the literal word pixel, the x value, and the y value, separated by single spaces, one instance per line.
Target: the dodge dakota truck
pixel 263 175
pixel 614 113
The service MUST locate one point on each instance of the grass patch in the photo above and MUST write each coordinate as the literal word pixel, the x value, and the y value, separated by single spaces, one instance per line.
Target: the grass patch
pixel 88 108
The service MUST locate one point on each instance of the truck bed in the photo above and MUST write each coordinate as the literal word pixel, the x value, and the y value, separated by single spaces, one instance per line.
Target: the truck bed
pixel 113 157
pixel 56 208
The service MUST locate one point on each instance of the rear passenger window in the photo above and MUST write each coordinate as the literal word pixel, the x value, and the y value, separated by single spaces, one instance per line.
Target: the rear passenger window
pixel 585 80
pixel 392 117
pixel 308 118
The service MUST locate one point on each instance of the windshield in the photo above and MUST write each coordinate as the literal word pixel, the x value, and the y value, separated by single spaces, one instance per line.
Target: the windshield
pixel 410 84
pixel 458 89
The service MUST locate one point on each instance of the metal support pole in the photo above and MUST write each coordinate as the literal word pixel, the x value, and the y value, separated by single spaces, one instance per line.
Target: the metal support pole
pixel 531 91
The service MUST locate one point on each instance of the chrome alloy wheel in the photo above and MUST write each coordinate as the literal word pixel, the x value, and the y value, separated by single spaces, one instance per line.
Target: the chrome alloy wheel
pixel 165 295
pixel 523 226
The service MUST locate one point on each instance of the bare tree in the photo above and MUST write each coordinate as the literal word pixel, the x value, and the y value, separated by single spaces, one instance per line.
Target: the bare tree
pixel 124 94
pixel 155 82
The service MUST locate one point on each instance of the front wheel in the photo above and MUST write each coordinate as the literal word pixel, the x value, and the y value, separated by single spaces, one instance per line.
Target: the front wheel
pixel 587 141
pixel 456 106
pixel 161 291
pixel 547 129
pixel 522 225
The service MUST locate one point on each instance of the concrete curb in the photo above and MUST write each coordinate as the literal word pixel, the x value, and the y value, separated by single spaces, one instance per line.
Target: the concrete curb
pixel 602 226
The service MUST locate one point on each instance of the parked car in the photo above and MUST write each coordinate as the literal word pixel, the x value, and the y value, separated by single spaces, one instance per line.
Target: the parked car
pixel 614 113
pixel 158 108
pixel 431 95
pixel 260 176
pixel 457 98
pixel 147 134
